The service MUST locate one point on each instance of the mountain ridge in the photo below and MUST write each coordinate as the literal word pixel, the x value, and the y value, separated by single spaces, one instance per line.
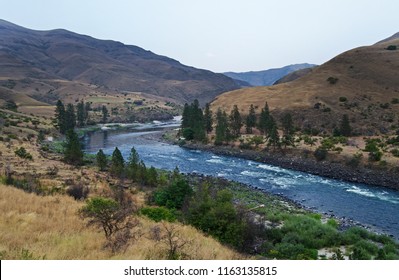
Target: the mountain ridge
pixel 61 54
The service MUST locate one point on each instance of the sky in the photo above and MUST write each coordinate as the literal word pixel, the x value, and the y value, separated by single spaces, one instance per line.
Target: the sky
pixel 220 35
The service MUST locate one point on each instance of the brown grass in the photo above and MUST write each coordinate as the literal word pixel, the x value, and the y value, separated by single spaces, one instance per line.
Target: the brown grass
pixel 367 77
pixel 49 227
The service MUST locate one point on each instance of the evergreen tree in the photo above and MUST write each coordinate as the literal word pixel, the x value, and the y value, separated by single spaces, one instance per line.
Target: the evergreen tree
pixel 235 121
pixel 186 116
pixel 273 136
pixel 250 120
pixel 345 127
pixel 80 115
pixel 133 165
pixel 197 123
pixel 222 128
pixel 101 160
pixel 208 120
pixel 87 110
pixel 73 151
pixel 117 163
pixel 70 117
pixel 288 130
pixel 104 111
pixel 264 120
pixel 152 177
pixel 60 116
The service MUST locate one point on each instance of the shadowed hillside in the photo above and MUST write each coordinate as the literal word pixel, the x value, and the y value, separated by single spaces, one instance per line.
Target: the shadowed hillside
pixel 47 64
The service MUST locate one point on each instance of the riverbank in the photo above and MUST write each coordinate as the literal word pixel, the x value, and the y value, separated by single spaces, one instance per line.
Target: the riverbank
pixel 300 162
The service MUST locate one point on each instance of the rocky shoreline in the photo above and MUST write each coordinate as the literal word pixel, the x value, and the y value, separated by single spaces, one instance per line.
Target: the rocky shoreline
pixel 334 170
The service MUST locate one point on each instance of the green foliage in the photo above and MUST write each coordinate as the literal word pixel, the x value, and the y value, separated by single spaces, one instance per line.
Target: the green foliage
pixel 288 130
pixel 158 214
pixel 174 195
pixel 355 160
pixel 73 153
pixel 343 99
pixel 70 118
pixel 309 140
pixel 392 48
pixel 320 153
pixel 11 105
pixel 235 122
pixel 257 140
pixel 188 133
pixel 208 119
pixel 22 153
pixel 117 163
pixel 193 119
pixel 60 117
pixel 395 152
pixel 222 130
pixel 250 121
pixel 395 101
pixel 101 160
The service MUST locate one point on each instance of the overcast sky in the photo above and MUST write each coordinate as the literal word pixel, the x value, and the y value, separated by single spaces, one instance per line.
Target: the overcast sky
pixel 220 35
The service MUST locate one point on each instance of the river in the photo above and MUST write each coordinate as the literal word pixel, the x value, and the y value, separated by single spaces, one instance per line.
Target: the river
pixel 373 206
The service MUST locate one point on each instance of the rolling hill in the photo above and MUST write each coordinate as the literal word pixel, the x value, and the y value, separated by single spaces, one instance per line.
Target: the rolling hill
pixel 47 65
pixel 362 83
pixel 267 77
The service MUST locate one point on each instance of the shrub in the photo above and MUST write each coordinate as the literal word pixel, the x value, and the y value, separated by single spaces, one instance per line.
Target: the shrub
pixel 355 160
pixel 375 156
pixel 332 80
pixel 391 48
pixel 78 191
pixel 188 133
pixel 22 153
pixel 395 152
pixel 158 214
pixel 395 101
pixel 320 153
pixel 343 99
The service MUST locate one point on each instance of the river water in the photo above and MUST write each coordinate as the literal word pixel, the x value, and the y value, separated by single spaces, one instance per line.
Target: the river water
pixel 376 207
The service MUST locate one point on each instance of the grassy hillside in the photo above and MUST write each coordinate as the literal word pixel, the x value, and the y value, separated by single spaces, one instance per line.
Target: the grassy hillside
pixel 361 83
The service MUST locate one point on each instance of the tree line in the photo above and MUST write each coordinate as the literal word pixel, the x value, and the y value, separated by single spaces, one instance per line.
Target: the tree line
pixel 197 123
pixel 70 116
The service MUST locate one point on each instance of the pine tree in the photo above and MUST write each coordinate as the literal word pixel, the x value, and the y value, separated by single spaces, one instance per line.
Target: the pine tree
pixel 197 123
pixel 80 115
pixel 222 128
pixel 250 120
pixel 264 119
pixel 104 111
pixel 60 116
pixel 117 163
pixel 273 136
pixel 208 120
pixel 345 127
pixel 73 151
pixel 70 117
pixel 133 164
pixel 235 121
pixel 101 160
pixel 186 116
pixel 288 130
pixel 87 110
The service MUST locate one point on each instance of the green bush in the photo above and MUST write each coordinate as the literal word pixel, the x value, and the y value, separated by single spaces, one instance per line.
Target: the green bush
pixel 158 214
pixel 343 99
pixel 395 152
pixel 174 195
pixel 391 48
pixel 320 153
pixel 22 153
pixel 375 156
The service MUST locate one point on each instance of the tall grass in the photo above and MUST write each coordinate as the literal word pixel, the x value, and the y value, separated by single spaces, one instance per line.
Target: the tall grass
pixel 37 227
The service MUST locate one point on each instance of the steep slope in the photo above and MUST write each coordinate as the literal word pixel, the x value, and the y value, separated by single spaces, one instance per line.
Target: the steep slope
pixel 28 55
pixel 267 77
pixel 362 83
pixel 294 76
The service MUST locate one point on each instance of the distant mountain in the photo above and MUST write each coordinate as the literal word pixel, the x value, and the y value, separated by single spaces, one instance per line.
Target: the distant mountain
pixel 60 55
pixel 294 75
pixel 361 83
pixel 266 77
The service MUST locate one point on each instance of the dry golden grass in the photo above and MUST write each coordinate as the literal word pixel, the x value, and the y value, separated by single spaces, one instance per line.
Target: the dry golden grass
pixel 367 77
pixel 49 227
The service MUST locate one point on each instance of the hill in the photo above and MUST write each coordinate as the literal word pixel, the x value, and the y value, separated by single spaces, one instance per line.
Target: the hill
pixel 361 83
pixel 48 65
pixel 267 77
pixel 293 76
